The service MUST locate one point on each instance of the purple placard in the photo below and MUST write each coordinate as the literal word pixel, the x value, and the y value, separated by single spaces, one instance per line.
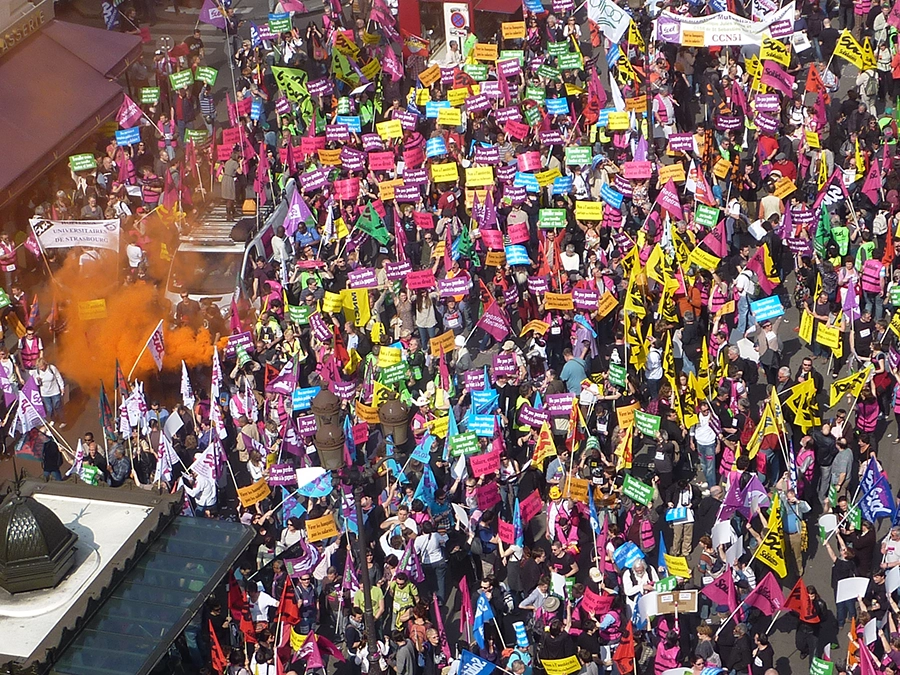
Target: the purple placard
pixel 491 89
pixel 552 137
pixel 504 364
pixel 407 193
pixel 802 216
pixel 414 177
pixel 306 425
pixel 623 241
pixel 352 160
pixel 535 63
pixel 511 296
pixel 373 142
pixel 585 298
pixel 313 180
pixel 515 194
pixel 509 68
pixel 478 103
pixel 767 123
pixel 563 5
pixel 681 142
pixel 726 122
pixel 623 185
pixel 489 155
pixel 447 75
pixel 319 329
pixel 768 102
pixel 780 29
pixel 362 277
pixel 559 405
pixel 282 474
pixel 346 391
pixel 243 339
pixel 282 106
pixel 532 416
pixel 456 286
pixel 265 33
pixel 337 133
pixel 506 173
pixel 538 285
pixel 474 380
pixel 407 119
pixel 321 87
pixel 799 246
pixel 397 270
pixel 507 114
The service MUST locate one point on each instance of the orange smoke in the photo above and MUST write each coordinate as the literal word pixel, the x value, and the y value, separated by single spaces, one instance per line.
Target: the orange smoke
pixel 88 349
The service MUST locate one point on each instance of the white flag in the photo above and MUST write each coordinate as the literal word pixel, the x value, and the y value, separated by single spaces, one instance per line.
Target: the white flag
pixel 617 98
pixel 79 460
pixel 609 17
pixel 187 394
pixel 156 345
pixel 165 461
pixel 215 410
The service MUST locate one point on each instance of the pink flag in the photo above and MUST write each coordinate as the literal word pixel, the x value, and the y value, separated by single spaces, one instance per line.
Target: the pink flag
pixel 439 621
pixel 211 14
pixel 310 653
pixel 466 618
pixel 721 591
pixel 262 174
pixel 602 538
pixel 767 597
pixel 235 320
pixel 129 113
pixel 392 64
pixel 894 17
pixel 294 6
pixel 866 660
pixel 715 241
pixel 668 199
pixel 872 185
pixel 494 323
pixel 757 265
pixel 330 648
pixel 738 96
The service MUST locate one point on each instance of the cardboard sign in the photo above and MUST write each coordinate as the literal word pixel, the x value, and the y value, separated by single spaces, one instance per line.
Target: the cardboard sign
pixel 321 528
pixel 513 30
pixel 445 173
pixel 253 494
pixel 444 341
pixel 693 38
pixel 83 162
pixel 618 121
pixel 683 601
pixel 784 187
pixel 637 170
pixel 485 52
pixel 560 301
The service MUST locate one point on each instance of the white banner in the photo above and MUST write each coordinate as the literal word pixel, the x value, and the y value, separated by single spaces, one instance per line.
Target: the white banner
pixel 609 17
pixel 721 29
pixel 69 233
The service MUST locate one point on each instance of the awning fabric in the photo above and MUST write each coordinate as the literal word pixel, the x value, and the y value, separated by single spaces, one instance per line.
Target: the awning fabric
pixel 499 6
pixel 54 97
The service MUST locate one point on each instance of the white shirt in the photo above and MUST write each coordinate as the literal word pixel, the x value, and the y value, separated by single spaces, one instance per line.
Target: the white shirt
pixel 50 381
pixel 891 550
pixel 428 547
pixel 203 492
pixel 258 609
pixel 135 255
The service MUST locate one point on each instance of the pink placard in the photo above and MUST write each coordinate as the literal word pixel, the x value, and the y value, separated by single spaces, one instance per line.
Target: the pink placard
pixel 423 220
pixel 347 189
pixel 381 161
pixel 414 157
pixel 638 170
pixel 530 506
pixel 488 495
pixel 518 232
pixel 360 433
pixel 485 464
pixel 420 279
pixel 506 531
pixel 517 130
pixel 529 161
pixel 493 239
pixel 309 145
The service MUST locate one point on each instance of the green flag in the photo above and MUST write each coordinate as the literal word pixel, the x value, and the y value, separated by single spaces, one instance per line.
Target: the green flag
pixel 370 223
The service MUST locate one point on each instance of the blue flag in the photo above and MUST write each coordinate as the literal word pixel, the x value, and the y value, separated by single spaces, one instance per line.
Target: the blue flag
pixel 348 436
pixel 612 55
pixel 661 560
pixel 518 530
pixel 320 487
pixel 427 487
pixel 392 465
pixel 452 430
pixel 483 614
pixel 291 508
pixel 470 664
pixel 255 39
pixel 877 500
pixel 422 452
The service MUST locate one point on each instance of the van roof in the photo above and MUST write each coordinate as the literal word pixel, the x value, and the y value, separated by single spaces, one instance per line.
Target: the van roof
pixel 211 247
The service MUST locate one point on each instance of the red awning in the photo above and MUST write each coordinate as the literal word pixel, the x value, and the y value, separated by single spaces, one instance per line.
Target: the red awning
pixel 54 98
pixel 499 6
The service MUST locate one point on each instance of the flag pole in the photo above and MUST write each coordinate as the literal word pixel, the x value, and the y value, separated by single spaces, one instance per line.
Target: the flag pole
pixel 146 344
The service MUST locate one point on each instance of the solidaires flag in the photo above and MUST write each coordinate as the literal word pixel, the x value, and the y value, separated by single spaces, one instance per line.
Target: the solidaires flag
pixel 771 550
pixel 852 384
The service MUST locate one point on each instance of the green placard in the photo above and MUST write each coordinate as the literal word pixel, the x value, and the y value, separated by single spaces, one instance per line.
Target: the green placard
pixel 149 94
pixel 83 162
pixel 579 155
pixel 182 79
pixel 707 216
pixel 637 490
pixel 300 314
pixel 478 71
pixel 665 585
pixel 570 61
pixel 280 24
pixel 646 423
pixel 855 518
pixel 199 136
pixel 517 54
pixel 894 296
pixel 464 444
pixel 208 75
pixel 532 115
pixel 90 474
pixel 549 72
pixel 552 218
pixel 393 374
pixel 820 667
pixel 535 93
pixel 617 374
pixel 4 299
pixel 557 48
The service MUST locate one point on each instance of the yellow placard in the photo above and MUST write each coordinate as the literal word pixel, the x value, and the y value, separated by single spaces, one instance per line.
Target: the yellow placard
pixel 479 176
pixel 727 308
pixel 321 528
pixel 367 413
pixel 607 303
pixel 388 130
pixel 492 259
pixel 625 415
pixel 485 51
pixel 812 139
pixel 693 38
pixel 386 188
pixel 445 173
pixel 332 302
pixel 450 116
pixel 545 178
pixel 430 75
pixel 636 104
pixel 92 309
pixel 828 336
pixel 513 30
pixel 806 326
pixel 618 121
pixel 456 97
pixel 438 249
pixel 536 325
pixel 704 259
pixel 445 341
pixel 673 171
pixel 388 356
pixel 330 157
pixel 677 566
pixel 577 489
pixel 784 186
pixel 562 301
pixel 254 494
pixel 423 96
pixel 439 426
pixel 721 169
pixel 588 210
pixel 573 89
pixel 561 666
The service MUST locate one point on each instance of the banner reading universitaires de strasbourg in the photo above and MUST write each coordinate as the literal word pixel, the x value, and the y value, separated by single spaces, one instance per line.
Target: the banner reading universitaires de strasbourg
pixel 69 233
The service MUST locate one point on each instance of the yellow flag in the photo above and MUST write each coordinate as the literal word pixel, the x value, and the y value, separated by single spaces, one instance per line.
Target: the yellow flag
pixel 703 373
pixel 852 385
pixel 634 36
pixel 668 363
pixel 767 426
pixel 623 450
pixel 799 394
pixel 860 164
pixel 849 49
pixel 771 550
pixel 634 298
pixel 869 61
pixel 545 447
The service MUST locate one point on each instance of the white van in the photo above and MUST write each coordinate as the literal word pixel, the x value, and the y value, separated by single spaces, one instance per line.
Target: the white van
pixel 210 264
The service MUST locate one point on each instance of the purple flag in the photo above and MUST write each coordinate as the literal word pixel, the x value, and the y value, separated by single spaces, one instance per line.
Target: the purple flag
pixel 286 381
pixel 494 323
pixel 721 590
pixel 9 393
pixel 410 564
pixel 211 14
pixel 298 212
pixel 851 303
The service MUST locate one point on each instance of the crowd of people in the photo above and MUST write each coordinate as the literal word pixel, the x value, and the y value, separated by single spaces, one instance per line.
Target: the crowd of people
pixel 570 246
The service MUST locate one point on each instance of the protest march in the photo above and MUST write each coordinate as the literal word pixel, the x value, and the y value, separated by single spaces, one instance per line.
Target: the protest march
pixel 567 345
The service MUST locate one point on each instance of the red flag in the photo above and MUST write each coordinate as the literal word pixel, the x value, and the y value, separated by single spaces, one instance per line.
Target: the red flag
pixel 575 434
pixel 757 265
pixel 494 322
pixel 866 660
pixel 288 611
pixel 129 113
pixel 624 655
pixel 234 319
pixel 767 597
pixel 310 652
pixel 236 600
pixel 798 601
pixel 888 256
pixel 121 382
pixel 814 83
pixel 871 187
pixel 219 661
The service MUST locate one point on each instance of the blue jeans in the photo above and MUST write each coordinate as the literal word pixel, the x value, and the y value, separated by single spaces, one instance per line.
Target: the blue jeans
pixel 708 462
pixel 425 335
pixel 845 611
pixel 53 474
pixel 52 404
pixel 874 304
pixel 745 319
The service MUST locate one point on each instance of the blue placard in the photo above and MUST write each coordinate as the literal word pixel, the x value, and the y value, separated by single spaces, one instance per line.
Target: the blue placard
pixel 557 106
pixel 128 136
pixel 485 401
pixel 432 107
pixel 603 116
pixel 527 180
pixel 534 6
pixel 516 254
pixel 767 308
pixel 626 555
pixel 302 398
pixel 352 121
pixel 677 514
pixel 435 147
pixel 256 109
pixel 562 185
pixel 482 425
pixel 611 196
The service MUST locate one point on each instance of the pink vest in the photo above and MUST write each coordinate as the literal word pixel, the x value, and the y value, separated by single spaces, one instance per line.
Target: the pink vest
pixel 871 276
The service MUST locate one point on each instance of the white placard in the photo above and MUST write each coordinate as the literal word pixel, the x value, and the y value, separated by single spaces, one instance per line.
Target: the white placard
pixel 851 589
